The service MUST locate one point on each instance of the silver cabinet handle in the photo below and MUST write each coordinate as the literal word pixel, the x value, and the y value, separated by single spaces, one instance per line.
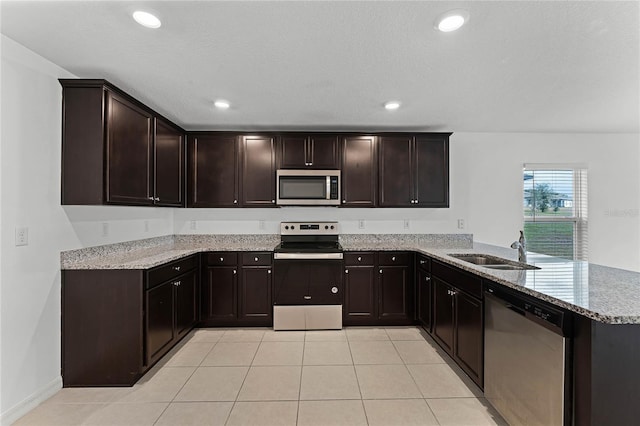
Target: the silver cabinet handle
pixel 157 198
pixel 176 268
pixel 177 283
pixel 346 271
pixel 393 258
pixel 427 278
pixel 273 201
pixel 255 259
pixel 344 201
pixel 359 258
pixel 152 198
pixel 222 259
pixel 380 270
pixel 235 201
pixel 422 262
pixel 269 271
pixel 235 272
pixel 307 297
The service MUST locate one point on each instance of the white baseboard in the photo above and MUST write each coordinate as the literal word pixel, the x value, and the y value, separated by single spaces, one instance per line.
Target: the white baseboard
pixel 30 402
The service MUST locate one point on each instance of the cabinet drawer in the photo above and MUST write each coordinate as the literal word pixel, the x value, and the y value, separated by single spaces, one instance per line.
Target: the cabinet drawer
pixel 359 258
pixel 464 281
pixel 390 258
pixel 222 258
pixel 256 258
pixel 423 262
pixel 170 270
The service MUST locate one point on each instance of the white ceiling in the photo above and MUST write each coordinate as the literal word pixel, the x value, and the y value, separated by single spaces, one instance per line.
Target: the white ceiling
pixel 520 66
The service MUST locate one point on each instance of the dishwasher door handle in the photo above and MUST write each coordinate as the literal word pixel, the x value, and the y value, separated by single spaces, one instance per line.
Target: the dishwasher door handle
pixel 515 309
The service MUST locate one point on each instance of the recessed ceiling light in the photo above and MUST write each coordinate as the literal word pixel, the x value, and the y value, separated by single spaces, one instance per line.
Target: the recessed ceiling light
pixel 391 105
pixel 452 20
pixel 221 104
pixel 146 19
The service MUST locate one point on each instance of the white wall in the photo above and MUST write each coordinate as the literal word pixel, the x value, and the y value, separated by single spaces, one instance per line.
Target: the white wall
pixel 494 192
pixel 30 193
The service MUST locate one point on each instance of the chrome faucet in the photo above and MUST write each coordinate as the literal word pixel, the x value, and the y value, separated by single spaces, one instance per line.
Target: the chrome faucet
pixel 521 246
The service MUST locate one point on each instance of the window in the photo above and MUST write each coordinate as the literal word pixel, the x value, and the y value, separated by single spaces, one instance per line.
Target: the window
pixel 555 210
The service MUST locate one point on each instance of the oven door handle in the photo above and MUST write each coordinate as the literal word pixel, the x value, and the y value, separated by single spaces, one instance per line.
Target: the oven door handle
pixel 307 256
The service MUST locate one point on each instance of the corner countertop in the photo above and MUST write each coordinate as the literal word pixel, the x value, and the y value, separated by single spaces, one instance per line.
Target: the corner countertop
pixel 605 294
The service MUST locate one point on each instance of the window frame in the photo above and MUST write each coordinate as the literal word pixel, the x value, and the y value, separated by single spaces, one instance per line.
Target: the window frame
pixel 580 206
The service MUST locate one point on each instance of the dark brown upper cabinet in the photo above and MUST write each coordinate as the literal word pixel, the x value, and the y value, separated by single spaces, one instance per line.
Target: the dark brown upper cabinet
pixel 359 171
pixel 301 151
pixel 213 170
pixel 110 151
pixel 258 171
pixel 169 164
pixel 414 170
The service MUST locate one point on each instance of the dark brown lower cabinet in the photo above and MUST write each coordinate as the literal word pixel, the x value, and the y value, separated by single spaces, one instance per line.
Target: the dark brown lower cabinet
pixel 160 316
pixel 237 289
pixel 359 289
pixel 458 327
pixel 443 314
pixel 255 299
pixel 394 291
pixel 171 313
pixel 117 323
pixel 425 298
pixel 220 294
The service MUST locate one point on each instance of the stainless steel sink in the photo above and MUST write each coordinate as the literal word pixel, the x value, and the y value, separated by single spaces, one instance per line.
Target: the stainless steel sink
pixel 493 262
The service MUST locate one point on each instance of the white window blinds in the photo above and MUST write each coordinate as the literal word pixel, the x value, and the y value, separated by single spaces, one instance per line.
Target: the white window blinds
pixel 555 210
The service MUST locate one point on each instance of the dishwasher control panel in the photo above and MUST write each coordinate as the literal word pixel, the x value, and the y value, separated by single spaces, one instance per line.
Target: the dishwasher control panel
pixel 536 310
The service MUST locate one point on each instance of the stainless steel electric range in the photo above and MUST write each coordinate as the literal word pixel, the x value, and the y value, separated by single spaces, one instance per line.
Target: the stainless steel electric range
pixel 307 267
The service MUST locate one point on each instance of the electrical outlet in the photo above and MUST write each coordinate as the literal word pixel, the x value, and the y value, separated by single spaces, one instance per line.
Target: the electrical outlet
pixel 460 223
pixel 146 226
pixel 22 236
pixel 406 224
pixel 361 224
pixel 192 225
pixel 105 229
pixel 261 224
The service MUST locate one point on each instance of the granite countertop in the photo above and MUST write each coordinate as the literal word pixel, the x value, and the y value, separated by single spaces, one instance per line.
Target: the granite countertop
pixel 605 294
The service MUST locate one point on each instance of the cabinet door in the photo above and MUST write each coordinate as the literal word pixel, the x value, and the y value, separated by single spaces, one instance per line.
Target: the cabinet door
pixel 255 295
pixel 395 171
pixel 258 171
pixel 468 347
pixel 359 295
pixel 293 152
pixel 323 152
pixel 159 319
pixel 213 171
pixel 169 165
pixel 424 299
pixel 443 320
pixel 186 303
pixel 431 158
pixel 394 293
pixel 129 152
pixel 323 277
pixel 220 299
pixel 359 171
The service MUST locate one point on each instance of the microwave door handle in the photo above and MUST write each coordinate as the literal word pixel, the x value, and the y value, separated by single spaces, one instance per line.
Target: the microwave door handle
pixel 328 192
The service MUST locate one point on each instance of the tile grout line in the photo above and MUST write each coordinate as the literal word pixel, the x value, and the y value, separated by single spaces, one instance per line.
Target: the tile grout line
pixel 304 345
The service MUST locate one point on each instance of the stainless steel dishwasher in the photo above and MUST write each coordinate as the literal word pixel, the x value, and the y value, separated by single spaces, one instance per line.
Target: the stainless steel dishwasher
pixel 526 373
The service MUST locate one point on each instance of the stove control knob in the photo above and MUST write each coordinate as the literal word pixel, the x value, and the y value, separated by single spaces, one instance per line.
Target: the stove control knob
pixel 331 226
pixel 334 290
pixel 293 227
pixel 286 227
pixel 326 227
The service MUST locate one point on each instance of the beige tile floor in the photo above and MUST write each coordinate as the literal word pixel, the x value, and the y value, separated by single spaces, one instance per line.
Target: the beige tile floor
pixel 390 376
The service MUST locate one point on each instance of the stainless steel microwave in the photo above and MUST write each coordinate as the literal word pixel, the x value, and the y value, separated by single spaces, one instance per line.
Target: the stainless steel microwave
pixel 308 187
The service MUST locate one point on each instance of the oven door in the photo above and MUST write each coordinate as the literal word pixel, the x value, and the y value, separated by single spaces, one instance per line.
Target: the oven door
pixel 308 187
pixel 307 279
